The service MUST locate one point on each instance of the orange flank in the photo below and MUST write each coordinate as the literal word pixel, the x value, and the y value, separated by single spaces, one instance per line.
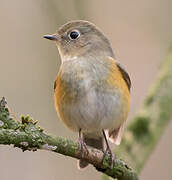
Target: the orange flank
pixel 115 79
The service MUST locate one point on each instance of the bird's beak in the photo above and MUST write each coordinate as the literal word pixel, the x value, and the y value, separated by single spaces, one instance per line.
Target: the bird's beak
pixel 51 37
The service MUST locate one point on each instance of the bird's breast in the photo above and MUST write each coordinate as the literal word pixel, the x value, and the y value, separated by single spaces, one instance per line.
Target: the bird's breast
pixel 86 98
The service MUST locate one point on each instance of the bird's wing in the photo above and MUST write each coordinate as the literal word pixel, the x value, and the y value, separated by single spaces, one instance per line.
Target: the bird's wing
pixel 54 85
pixel 125 75
pixel 116 67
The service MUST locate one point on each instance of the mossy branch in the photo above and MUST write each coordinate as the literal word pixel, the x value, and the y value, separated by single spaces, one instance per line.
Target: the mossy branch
pixel 28 136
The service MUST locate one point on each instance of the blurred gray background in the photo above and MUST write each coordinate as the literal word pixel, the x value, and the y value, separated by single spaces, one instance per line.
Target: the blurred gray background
pixel 140 33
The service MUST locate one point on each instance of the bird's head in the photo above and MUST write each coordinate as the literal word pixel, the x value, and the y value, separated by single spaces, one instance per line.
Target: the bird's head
pixel 80 38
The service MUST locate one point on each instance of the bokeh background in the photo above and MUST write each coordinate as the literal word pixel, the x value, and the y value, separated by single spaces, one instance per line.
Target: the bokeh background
pixel 140 33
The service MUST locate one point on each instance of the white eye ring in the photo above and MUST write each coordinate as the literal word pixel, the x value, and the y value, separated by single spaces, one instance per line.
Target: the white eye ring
pixel 74 34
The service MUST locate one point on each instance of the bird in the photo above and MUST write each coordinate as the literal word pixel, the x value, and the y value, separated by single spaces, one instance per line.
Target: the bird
pixel 91 90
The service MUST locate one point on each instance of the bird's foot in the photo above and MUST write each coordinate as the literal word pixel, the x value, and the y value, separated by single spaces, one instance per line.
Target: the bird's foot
pixel 82 147
pixel 112 157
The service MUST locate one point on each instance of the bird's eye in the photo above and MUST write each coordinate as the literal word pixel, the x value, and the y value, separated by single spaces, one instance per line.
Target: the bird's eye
pixel 74 35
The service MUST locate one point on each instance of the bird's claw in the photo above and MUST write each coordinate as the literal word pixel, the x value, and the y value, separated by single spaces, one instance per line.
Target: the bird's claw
pixel 82 147
pixel 112 157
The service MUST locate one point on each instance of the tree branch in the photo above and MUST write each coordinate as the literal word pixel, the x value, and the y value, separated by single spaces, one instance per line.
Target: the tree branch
pixel 27 136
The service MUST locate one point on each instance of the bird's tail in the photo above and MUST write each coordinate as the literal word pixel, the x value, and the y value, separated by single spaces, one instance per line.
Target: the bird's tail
pixel 116 135
pixel 96 142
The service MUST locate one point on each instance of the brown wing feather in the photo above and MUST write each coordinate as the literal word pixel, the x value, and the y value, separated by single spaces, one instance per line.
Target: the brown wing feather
pixel 54 85
pixel 125 75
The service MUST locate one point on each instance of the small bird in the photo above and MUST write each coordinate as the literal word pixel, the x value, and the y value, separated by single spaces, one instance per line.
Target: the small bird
pixel 92 90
